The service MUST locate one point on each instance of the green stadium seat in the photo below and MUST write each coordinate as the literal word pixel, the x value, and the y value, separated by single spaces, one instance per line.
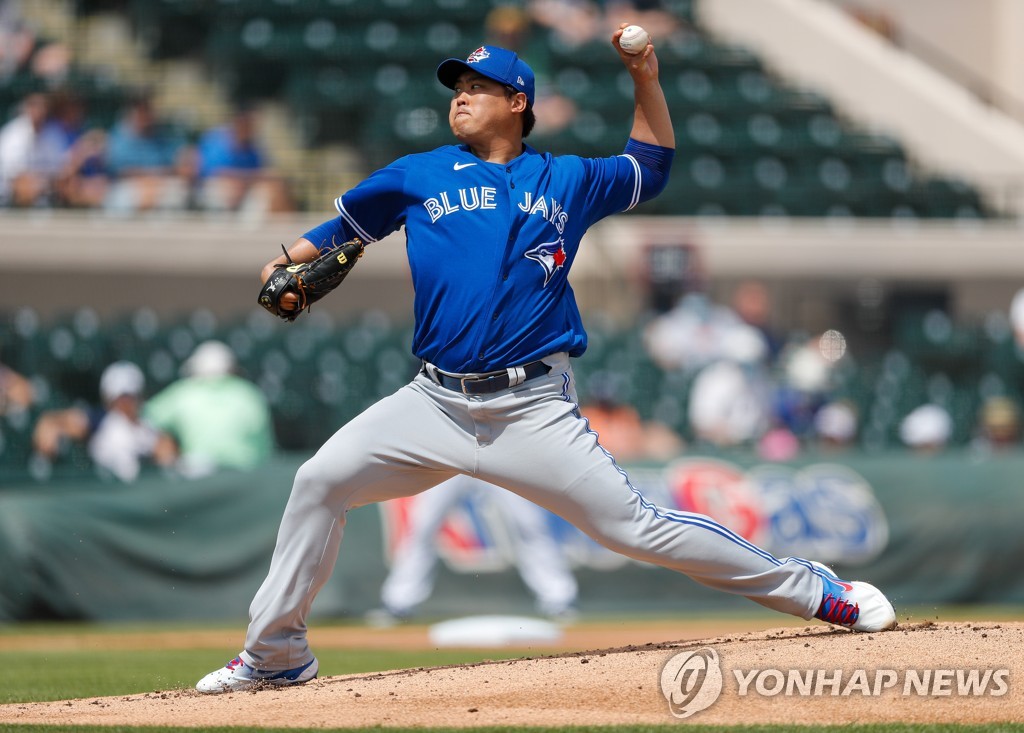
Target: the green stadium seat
pixel 325 57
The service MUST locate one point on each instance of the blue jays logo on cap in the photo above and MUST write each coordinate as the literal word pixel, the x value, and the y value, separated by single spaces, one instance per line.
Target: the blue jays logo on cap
pixel 493 62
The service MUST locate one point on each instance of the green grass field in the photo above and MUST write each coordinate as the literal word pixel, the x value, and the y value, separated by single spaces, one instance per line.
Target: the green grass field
pixel 27 676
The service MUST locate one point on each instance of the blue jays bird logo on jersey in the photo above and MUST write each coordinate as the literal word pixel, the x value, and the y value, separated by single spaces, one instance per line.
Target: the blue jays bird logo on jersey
pixel 550 256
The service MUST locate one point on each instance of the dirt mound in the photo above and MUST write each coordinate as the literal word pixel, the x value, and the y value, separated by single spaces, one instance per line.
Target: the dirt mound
pixel 925 672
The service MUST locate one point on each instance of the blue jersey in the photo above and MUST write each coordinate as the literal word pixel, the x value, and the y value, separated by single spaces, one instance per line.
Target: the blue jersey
pixel 490 246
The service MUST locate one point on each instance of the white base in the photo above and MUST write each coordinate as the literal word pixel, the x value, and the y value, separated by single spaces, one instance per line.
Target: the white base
pixel 490 631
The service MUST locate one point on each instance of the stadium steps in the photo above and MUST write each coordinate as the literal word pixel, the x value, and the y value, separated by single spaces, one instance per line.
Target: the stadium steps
pixel 946 131
pixel 106 41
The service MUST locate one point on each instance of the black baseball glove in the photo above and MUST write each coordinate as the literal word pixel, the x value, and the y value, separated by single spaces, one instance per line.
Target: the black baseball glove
pixel 309 281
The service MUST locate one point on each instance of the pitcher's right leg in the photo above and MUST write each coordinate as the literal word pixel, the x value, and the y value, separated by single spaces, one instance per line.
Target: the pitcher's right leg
pixel 400 446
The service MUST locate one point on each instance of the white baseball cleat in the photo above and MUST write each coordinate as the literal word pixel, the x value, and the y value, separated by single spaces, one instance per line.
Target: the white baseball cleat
pixel 853 604
pixel 236 676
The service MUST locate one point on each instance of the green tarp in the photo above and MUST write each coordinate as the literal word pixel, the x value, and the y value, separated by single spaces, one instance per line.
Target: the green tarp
pixel 166 548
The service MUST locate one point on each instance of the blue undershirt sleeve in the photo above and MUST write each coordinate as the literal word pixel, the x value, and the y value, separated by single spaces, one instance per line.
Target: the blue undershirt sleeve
pixel 330 231
pixel 656 163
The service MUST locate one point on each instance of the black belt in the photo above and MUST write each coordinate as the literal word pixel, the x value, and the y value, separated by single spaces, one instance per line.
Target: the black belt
pixel 488 382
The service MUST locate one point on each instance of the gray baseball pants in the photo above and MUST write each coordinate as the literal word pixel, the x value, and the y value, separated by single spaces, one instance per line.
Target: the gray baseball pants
pixel 530 439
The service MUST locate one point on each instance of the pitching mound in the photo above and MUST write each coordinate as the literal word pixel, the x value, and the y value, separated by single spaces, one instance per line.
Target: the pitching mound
pixel 926 672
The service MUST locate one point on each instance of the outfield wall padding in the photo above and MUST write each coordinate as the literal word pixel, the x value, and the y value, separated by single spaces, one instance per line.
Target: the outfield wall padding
pixel 168 548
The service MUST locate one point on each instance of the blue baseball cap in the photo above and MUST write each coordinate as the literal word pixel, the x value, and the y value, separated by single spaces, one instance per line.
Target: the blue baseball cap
pixel 493 62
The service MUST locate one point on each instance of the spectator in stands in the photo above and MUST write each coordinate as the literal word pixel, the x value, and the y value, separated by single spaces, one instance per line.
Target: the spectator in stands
pixel 16 392
pixel 573 22
pixel 998 425
pixel 651 15
pixel 692 334
pixel 1017 320
pixel 621 430
pixel 22 51
pixel 151 164
pixel 30 155
pixel 512 27
pixel 119 440
pixel 805 384
pixel 17 41
pixel 753 304
pixel 233 170
pixel 927 429
pixel 83 180
pixel 730 398
pixel 876 20
pixel 219 419
pixel 67 116
pixel 835 425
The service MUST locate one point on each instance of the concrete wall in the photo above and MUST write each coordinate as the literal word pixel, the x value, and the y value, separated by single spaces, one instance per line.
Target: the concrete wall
pixel 59 261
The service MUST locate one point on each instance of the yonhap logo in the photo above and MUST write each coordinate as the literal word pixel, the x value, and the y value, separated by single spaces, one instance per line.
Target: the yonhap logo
pixel 691 681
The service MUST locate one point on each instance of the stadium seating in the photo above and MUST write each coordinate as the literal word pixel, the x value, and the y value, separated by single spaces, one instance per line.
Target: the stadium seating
pixel 754 145
pixel 318 374
pixel 361 73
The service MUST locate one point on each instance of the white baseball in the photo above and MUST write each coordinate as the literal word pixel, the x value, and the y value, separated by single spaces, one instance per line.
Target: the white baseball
pixel 634 39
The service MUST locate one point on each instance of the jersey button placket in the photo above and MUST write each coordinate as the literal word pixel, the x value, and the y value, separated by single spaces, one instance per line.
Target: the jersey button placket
pixel 504 275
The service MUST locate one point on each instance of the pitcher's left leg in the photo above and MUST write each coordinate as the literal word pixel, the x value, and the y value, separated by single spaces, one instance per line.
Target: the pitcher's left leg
pixel 573 476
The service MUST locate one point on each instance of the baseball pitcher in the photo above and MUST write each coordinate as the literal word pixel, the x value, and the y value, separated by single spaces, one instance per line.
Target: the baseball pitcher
pixel 492 229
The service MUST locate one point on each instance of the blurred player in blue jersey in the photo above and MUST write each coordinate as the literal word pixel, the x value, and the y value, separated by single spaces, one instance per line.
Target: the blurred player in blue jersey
pixel 492 229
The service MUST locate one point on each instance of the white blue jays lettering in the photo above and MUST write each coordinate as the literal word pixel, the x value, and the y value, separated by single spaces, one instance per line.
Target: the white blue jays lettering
pixel 553 212
pixel 491 247
pixel 477 197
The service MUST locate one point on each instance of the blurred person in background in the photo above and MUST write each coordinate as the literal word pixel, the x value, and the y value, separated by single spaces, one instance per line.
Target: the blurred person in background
pixel 31 155
pixel 17 40
pixel 835 425
pixel 83 180
pixel 651 15
pixel 67 116
pixel 16 392
pixel 233 170
pixel 927 429
pixel 621 430
pixel 804 385
pixel 730 398
pixel 1017 320
pixel 119 441
pixel 574 22
pixel 219 419
pixel 753 304
pixel 24 52
pixel 998 425
pixel 512 27
pixel 692 334
pixel 151 164
pixel 538 557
